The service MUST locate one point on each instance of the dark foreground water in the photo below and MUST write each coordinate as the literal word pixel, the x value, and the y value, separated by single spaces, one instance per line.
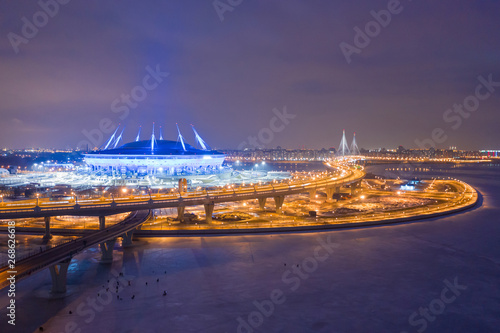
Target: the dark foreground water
pixel 439 275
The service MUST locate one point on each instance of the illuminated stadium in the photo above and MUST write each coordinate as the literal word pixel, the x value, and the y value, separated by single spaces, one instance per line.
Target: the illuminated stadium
pixel 156 164
pixel 155 157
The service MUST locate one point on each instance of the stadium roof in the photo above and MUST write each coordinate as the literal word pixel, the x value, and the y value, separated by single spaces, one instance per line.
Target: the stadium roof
pixel 160 147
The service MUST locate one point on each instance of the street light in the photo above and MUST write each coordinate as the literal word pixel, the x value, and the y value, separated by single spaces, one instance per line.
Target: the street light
pixel 76 199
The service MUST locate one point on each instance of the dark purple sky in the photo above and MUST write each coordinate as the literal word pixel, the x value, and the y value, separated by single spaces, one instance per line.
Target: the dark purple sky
pixel 226 77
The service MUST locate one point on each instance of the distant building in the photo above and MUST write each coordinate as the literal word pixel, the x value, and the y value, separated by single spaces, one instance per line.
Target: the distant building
pixel 490 153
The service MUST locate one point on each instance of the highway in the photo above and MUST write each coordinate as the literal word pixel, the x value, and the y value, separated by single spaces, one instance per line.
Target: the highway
pixel 59 253
pixel 108 206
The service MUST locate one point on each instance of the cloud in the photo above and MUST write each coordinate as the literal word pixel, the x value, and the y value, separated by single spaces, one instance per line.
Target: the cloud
pixel 230 75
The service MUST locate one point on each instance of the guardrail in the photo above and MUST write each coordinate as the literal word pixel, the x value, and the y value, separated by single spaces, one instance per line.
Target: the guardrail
pixel 32 252
pixel 33 263
pixel 171 200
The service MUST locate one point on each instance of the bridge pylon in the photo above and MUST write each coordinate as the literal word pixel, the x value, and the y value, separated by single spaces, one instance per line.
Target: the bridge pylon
pixel 180 213
pixel 47 234
pixel 279 200
pixel 354 147
pixel 107 251
pixel 343 147
pixel 102 222
pixel 209 209
pixel 59 273
pixel 329 193
pixel 262 203
pixel 354 186
pixel 127 238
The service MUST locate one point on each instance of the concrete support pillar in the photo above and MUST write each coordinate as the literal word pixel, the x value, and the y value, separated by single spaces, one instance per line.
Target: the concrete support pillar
pixel 353 188
pixel 59 273
pixel 262 203
pixel 312 194
pixel 127 238
pixel 279 203
pixel 180 213
pixel 102 222
pixel 329 193
pixel 107 251
pixel 47 235
pixel 209 209
pixel 182 186
pixel 337 190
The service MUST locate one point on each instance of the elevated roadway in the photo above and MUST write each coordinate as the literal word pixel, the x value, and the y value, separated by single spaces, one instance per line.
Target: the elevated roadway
pixel 57 258
pixel 349 175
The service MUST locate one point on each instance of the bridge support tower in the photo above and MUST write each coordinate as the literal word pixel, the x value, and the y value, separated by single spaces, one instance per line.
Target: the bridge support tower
pixel 107 251
pixel 59 273
pixel 102 222
pixel 279 203
pixel 180 213
pixel 209 209
pixel 329 193
pixel 47 235
pixel 127 238
pixel 262 203
pixel 354 186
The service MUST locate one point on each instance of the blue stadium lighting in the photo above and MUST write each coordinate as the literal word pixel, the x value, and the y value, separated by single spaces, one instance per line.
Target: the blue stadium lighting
pixel 155 157
pixel 112 137
pixel 138 137
pixel 180 137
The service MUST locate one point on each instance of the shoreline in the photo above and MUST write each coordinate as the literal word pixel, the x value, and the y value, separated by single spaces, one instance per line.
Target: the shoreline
pixel 263 230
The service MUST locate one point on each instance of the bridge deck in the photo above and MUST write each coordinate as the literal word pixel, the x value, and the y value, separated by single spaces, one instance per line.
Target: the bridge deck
pixel 59 253
pixel 106 206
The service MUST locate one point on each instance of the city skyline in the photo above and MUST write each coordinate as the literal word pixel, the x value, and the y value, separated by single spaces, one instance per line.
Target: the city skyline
pixel 397 84
pixel 249 166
